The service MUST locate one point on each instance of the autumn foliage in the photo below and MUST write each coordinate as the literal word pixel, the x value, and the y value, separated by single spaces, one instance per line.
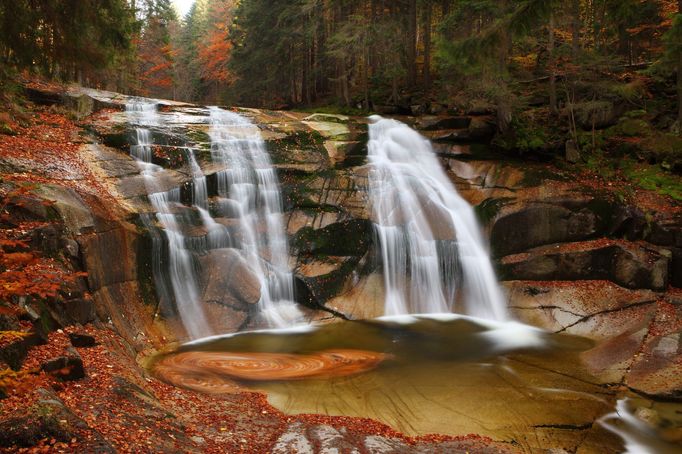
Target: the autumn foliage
pixel 25 274
pixel 216 48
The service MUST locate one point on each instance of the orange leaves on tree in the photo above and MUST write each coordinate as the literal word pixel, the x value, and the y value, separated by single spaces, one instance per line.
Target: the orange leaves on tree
pixel 156 57
pixel 160 74
pixel 215 56
pixel 216 46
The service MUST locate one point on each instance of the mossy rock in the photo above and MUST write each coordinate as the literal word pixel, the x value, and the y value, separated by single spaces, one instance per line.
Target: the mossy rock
pixel 81 105
pixel 597 114
pixel 198 136
pixel 487 210
pixel 43 422
pixel 348 238
pixel 6 130
pixel 297 147
pixel 634 127
pixel 664 149
pixel 654 178
pixel 327 117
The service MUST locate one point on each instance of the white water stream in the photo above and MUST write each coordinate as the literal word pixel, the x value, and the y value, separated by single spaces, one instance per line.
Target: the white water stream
pixel 177 281
pixel 432 250
pixel 249 190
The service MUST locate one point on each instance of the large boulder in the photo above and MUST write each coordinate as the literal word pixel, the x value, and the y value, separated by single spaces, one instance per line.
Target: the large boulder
pixel 229 280
pixel 625 264
pixel 347 238
pixel 539 224
pixel 481 129
pixel 436 123
pixel 49 419
pixel 598 310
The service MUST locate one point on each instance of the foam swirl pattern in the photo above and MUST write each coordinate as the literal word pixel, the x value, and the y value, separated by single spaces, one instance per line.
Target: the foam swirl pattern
pixel 217 372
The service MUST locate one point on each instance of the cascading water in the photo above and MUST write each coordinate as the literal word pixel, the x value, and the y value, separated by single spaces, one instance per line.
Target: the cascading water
pixel 432 250
pixel 178 282
pixel 249 190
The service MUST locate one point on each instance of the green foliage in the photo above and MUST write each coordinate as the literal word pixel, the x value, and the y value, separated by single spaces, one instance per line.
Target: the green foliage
pixel 265 36
pixel 186 43
pixel 632 92
pixel 634 127
pixel 487 210
pixel 673 42
pixel 525 135
pixel 654 178
pixel 488 48
pixel 599 164
pixel 63 38
pixel 591 142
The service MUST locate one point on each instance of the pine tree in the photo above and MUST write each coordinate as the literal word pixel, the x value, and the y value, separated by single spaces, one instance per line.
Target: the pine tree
pixel 70 40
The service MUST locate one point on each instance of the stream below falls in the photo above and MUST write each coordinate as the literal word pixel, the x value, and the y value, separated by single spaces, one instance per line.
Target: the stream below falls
pixel 445 374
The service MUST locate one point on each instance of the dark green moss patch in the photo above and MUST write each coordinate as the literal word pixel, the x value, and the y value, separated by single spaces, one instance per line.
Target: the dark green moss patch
pixel 347 238
pixel 654 178
pixel 489 208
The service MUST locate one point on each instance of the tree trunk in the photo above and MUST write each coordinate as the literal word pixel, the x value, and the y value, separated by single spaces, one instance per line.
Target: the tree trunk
pixel 552 67
pixel 576 25
pixel 345 90
pixel 505 42
pixel 427 46
pixel 412 43
pixel 366 73
pixel 679 81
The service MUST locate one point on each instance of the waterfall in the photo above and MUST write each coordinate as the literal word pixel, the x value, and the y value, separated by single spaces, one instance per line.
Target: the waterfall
pixel 249 191
pixel 177 281
pixel 432 250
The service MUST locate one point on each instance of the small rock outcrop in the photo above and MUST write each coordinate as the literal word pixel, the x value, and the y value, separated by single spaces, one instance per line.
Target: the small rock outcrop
pixel 229 280
pixel 622 264
pixel 68 367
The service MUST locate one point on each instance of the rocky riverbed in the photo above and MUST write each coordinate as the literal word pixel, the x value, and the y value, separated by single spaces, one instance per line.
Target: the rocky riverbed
pixel 576 256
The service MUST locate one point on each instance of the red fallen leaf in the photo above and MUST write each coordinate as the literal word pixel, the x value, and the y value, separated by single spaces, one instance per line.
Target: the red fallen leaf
pixel 15 259
pixel 6 243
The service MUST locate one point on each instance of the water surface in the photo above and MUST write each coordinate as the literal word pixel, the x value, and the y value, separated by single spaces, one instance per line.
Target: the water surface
pixel 443 374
